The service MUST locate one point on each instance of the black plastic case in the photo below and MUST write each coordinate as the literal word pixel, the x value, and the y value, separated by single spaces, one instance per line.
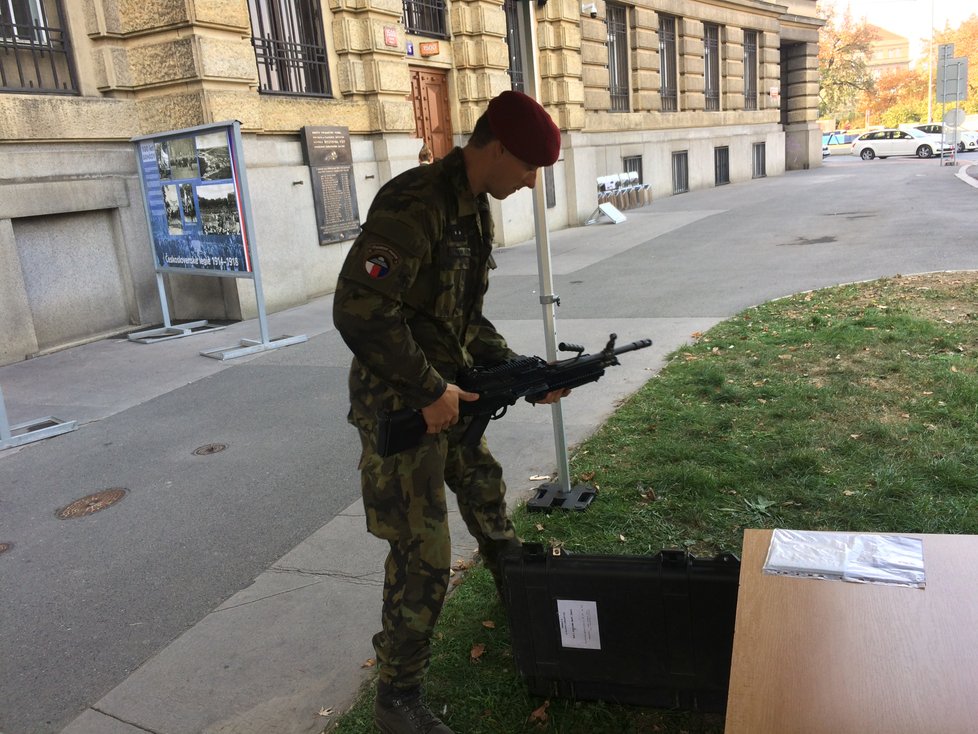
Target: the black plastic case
pixel 647 630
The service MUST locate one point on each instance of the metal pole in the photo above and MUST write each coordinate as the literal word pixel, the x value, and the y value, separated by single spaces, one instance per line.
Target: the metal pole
pixel 166 306
pixel 5 432
pixel 249 232
pixel 548 299
pixel 930 68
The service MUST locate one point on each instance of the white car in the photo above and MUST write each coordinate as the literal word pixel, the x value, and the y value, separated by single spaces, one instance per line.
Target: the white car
pixel 884 143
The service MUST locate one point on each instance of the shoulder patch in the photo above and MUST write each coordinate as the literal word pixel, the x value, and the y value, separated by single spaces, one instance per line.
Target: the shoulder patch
pixel 379 261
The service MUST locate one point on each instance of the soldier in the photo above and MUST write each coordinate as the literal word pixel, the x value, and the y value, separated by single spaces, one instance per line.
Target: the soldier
pixel 409 305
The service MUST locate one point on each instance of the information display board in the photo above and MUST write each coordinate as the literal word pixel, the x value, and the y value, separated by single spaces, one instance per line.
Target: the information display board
pixel 194 201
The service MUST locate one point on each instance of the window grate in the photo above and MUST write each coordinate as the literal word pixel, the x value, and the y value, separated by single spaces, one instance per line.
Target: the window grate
pixel 35 55
pixel 633 164
pixel 425 18
pixel 750 70
pixel 680 172
pixel 289 48
pixel 711 59
pixel 514 39
pixel 760 160
pixel 721 165
pixel 669 88
pixel 617 22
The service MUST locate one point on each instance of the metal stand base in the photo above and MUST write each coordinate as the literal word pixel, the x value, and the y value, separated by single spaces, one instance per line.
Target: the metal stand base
pixel 606 210
pixel 172 332
pixel 250 346
pixel 552 496
pixel 34 430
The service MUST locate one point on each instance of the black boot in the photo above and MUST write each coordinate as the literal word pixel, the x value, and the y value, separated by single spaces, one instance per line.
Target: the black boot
pixel 401 711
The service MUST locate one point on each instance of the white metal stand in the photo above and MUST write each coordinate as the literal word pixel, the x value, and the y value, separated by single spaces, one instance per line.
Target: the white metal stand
pixel 34 430
pixel 606 210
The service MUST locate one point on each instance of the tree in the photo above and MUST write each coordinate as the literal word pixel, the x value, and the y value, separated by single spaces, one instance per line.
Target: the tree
pixel 905 90
pixel 843 47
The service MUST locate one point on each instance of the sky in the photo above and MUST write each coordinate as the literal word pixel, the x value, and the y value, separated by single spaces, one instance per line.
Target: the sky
pixel 909 18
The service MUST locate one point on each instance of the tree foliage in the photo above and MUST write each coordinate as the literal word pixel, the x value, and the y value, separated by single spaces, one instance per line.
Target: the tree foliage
pixel 904 90
pixel 843 49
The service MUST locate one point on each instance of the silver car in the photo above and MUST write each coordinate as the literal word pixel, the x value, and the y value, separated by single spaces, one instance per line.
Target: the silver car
pixel 884 143
pixel 967 139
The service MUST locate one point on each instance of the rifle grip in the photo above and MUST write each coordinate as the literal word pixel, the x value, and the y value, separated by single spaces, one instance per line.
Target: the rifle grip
pixel 473 434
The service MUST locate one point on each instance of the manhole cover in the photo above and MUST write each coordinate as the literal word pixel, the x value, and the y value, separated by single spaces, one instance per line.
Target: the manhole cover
pixel 92 503
pixel 211 448
pixel 4 547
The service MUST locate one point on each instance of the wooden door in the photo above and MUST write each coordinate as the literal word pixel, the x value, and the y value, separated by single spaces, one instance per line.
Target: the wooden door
pixel 432 115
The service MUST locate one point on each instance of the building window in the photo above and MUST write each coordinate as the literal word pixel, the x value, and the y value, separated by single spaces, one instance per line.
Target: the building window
pixel 633 164
pixel 680 172
pixel 711 58
pixel 35 55
pixel 721 165
pixel 289 47
pixel 669 88
pixel 750 70
pixel 617 21
pixel 514 39
pixel 425 18
pixel 760 160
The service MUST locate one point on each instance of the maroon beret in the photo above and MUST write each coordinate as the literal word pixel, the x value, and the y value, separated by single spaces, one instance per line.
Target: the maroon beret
pixel 524 128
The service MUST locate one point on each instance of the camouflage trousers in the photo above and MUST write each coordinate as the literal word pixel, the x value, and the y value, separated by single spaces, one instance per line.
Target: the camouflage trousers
pixel 404 498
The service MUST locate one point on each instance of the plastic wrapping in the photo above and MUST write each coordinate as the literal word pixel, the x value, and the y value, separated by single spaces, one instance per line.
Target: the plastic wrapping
pixel 857 557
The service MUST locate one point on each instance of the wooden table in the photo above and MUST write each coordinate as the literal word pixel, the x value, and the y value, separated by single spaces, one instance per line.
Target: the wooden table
pixel 834 657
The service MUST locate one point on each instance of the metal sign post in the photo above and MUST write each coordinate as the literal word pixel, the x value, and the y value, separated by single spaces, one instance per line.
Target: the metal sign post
pixel 558 495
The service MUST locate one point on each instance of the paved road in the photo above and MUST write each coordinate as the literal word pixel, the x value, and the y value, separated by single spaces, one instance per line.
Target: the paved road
pixel 236 592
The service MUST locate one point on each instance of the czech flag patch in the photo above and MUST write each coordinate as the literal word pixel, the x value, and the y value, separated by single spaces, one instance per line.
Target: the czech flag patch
pixel 379 262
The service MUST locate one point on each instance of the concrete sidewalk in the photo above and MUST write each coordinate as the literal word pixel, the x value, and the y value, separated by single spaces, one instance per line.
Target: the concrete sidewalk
pixel 291 644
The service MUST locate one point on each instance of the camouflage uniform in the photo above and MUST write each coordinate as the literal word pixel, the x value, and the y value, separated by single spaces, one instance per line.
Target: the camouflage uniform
pixel 409 305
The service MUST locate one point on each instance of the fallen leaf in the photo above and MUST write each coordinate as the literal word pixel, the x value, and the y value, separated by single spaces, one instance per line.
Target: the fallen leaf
pixel 540 478
pixel 848 493
pixel 477 651
pixel 369 663
pixel 855 436
pixel 325 711
pixel 621 537
pixel 489 624
pixel 539 715
pixel 540 527
pixel 461 565
pixel 587 476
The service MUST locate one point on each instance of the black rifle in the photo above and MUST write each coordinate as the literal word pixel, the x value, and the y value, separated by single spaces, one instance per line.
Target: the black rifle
pixel 499 387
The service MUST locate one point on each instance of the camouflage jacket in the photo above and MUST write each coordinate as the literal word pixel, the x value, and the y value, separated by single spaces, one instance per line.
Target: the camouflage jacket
pixel 409 298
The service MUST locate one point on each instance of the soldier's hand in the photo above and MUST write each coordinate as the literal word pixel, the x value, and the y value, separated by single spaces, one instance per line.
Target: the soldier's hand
pixel 553 396
pixel 443 413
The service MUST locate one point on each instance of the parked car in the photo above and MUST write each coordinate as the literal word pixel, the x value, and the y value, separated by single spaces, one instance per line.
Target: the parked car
pixel 884 143
pixel 967 139
pixel 838 142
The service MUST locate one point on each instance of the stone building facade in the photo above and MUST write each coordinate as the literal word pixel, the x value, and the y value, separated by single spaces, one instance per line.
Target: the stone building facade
pixel 686 93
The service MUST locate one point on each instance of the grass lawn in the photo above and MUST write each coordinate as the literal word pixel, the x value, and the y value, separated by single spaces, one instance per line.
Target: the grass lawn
pixel 852 408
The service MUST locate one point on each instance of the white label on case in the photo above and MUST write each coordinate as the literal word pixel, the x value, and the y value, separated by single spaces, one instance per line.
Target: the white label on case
pixel 578 624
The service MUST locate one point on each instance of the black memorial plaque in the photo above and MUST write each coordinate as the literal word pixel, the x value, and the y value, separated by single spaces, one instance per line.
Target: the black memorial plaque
pixel 327 151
